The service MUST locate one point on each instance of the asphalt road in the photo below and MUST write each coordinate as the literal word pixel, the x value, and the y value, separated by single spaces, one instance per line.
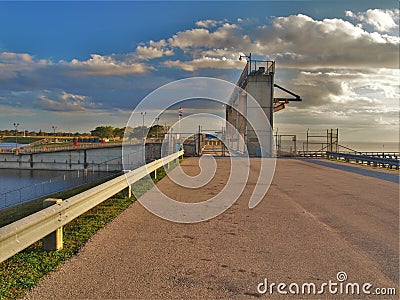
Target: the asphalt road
pixel 314 222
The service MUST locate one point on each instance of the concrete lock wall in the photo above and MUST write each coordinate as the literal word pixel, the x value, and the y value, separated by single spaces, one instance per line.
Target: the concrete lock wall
pixel 236 129
pixel 97 159
pixel 153 151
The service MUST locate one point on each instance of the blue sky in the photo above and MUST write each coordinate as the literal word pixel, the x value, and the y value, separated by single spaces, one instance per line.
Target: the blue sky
pixel 81 64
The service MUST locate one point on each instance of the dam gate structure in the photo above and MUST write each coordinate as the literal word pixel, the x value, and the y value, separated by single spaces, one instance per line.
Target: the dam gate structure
pixel 256 80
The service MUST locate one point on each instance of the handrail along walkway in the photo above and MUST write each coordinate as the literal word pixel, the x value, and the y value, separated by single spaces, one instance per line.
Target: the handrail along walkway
pixel 19 235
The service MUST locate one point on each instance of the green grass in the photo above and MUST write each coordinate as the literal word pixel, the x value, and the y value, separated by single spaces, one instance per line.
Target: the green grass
pixel 25 269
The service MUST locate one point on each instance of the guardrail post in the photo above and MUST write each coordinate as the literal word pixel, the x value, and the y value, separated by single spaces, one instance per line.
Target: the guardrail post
pixel 53 241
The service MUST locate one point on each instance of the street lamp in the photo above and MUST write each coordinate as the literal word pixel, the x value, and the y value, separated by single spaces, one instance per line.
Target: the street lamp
pixel 248 58
pixel 16 137
pixel 245 56
pixel 157 119
pixel 143 114
pixel 54 130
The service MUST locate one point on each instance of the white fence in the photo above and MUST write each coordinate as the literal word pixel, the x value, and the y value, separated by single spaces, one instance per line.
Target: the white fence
pixel 21 234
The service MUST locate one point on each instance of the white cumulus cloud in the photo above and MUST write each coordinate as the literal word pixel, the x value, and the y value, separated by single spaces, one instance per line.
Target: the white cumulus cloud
pixel 149 52
pixel 205 63
pixel 295 41
pixel 99 65
pixel 61 101
pixel 382 20
pixel 208 23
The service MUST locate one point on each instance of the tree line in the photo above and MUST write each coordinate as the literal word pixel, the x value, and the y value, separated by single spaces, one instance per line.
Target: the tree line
pixel 108 132
pixel 132 132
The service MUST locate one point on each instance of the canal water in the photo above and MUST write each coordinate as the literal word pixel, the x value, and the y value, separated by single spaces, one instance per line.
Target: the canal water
pixel 18 186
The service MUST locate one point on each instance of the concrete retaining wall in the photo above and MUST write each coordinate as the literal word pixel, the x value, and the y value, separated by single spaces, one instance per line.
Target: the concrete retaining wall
pixel 96 159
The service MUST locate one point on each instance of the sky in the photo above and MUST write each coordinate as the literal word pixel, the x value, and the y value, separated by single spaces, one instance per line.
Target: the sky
pixel 77 65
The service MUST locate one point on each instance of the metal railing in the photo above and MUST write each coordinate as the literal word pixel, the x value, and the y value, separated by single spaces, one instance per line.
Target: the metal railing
pixel 54 147
pixel 264 66
pixel 243 77
pixel 19 235
pixel 315 154
pixel 394 155
pixel 374 160
pixel 322 153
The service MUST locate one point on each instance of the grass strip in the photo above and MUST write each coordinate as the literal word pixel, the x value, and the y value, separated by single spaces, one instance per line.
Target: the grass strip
pixel 25 269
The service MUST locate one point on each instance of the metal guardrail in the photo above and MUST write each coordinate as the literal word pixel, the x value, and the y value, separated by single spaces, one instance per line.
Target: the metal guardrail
pixel 390 162
pixel 394 155
pixel 314 154
pixel 19 235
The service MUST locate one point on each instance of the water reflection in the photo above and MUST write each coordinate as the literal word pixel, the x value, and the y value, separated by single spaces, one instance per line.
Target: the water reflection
pixel 18 186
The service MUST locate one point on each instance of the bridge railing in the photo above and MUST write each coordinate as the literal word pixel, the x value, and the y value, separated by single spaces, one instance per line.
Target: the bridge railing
pixel 19 235
pixel 55 147
pixel 311 154
pixel 374 160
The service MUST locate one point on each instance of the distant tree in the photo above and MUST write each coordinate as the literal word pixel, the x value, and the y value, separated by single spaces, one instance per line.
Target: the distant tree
pixel 119 132
pixel 136 132
pixel 156 130
pixel 103 131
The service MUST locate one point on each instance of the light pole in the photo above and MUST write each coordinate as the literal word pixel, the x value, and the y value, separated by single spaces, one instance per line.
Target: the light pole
pixel 248 58
pixel 16 137
pixel 180 113
pixel 157 119
pixel 54 130
pixel 143 114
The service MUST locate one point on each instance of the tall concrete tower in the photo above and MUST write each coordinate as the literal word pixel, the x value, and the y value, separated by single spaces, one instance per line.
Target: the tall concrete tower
pixel 257 79
pixel 260 85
